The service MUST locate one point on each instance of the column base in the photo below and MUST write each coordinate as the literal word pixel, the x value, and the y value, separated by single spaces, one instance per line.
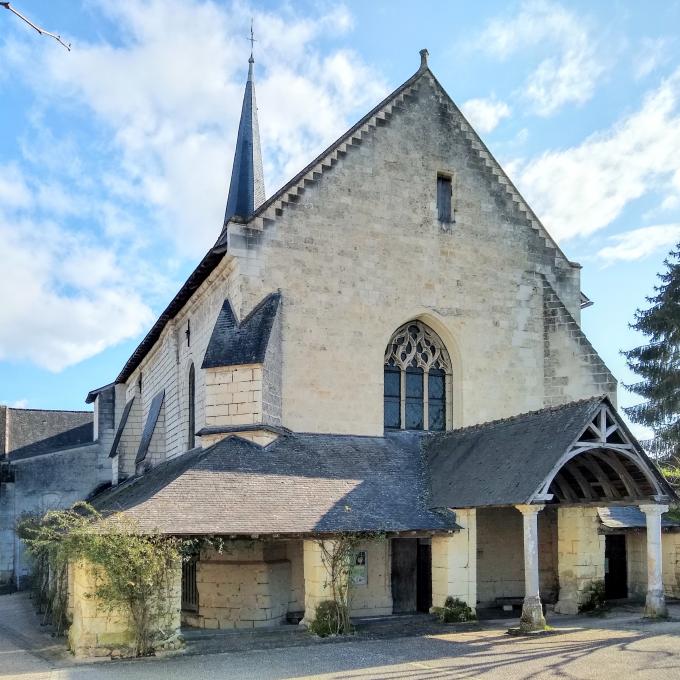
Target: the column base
pixel 569 607
pixel 655 605
pixel 532 615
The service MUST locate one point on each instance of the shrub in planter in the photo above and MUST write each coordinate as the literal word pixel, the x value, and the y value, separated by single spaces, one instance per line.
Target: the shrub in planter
pixel 454 611
pixel 594 599
pixel 327 619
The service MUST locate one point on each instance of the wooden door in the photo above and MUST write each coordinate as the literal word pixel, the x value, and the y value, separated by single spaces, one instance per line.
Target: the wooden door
pixel 424 577
pixel 404 575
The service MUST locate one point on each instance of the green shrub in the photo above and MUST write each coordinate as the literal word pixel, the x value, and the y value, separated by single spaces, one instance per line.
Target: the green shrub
pixel 594 599
pixel 327 619
pixel 454 611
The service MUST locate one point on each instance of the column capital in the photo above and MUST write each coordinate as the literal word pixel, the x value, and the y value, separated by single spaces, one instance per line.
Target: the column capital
pixel 526 509
pixel 653 508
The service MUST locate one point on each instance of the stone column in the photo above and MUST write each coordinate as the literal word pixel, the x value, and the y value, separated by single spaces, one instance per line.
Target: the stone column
pixel 655 605
pixel 580 558
pixel 532 610
pixel 454 562
pixel 317 579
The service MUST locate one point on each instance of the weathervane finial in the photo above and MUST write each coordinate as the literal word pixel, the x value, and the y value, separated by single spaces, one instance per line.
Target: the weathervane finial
pixel 252 41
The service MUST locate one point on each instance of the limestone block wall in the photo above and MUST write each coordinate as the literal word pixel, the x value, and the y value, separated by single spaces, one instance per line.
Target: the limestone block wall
pixel 156 451
pixel 374 598
pixel 454 562
pixel 166 366
pixel 572 367
pixel 475 282
pixel 500 554
pixel 580 558
pixel 636 554
pixel 233 395
pixel 249 585
pixel 295 555
pixel 95 631
pixel 130 438
pixel 636 559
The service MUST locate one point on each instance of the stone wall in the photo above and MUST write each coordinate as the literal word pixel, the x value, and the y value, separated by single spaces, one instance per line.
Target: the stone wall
pixel 500 554
pixel 580 558
pixel 454 562
pixel 349 238
pixel 166 366
pixel 249 585
pixel 95 631
pixel 233 395
pixel 46 482
pixel 636 549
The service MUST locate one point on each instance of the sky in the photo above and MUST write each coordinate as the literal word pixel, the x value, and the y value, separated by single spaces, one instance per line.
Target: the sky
pixel 115 156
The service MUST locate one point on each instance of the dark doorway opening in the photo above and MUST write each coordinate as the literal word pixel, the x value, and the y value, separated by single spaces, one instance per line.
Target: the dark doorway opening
pixel 411 575
pixel 616 567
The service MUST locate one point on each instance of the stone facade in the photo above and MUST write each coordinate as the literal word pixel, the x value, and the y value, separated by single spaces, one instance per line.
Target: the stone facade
pixel 454 562
pixel 96 631
pixel 580 548
pixel 500 563
pixel 636 553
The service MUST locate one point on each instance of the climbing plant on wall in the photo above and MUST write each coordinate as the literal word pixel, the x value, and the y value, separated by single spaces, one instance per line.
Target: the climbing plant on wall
pixel 337 555
pixel 133 570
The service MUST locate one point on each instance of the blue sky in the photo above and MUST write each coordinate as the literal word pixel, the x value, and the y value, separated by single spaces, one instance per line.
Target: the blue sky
pixel 115 157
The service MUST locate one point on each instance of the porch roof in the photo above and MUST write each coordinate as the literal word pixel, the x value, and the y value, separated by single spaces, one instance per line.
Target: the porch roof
pixel 507 462
pixel 298 484
pixel 630 517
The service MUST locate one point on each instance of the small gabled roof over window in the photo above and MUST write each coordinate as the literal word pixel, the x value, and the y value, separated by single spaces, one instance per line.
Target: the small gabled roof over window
pixel 235 343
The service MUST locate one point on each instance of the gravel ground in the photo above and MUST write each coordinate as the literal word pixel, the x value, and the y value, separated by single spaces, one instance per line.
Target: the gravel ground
pixel 619 646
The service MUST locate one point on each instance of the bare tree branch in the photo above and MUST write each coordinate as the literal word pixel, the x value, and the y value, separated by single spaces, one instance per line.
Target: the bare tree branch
pixel 42 31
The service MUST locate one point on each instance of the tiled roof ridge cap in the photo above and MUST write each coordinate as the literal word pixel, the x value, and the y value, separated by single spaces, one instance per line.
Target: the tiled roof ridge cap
pixel 519 416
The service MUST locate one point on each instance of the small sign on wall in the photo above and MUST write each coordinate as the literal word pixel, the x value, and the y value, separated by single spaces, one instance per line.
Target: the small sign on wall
pixel 359 573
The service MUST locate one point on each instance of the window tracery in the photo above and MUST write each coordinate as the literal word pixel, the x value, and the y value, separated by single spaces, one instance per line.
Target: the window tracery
pixel 417 379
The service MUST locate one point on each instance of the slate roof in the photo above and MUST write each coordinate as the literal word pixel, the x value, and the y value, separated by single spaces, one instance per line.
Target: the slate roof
pixel 246 189
pixel 233 343
pixel 121 427
pixel 503 462
pixel 299 484
pixel 34 432
pixel 149 426
pixel 629 517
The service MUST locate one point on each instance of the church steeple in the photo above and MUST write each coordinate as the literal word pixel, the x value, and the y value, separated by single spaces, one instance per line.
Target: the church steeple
pixel 246 191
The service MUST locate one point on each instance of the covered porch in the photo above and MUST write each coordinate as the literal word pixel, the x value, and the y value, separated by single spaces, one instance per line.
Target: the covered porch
pixel 536 522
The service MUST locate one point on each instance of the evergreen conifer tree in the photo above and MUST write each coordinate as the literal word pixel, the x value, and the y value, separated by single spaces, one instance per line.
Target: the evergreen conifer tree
pixel 658 363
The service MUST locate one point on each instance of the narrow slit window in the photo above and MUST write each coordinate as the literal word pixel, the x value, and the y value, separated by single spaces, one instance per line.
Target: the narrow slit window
pixel 192 408
pixel 444 194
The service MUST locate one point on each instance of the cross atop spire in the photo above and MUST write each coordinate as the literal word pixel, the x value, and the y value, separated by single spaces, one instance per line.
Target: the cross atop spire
pixel 246 190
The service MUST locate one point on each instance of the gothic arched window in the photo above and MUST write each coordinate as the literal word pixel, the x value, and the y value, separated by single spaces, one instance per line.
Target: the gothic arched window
pixel 192 407
pixel 417 373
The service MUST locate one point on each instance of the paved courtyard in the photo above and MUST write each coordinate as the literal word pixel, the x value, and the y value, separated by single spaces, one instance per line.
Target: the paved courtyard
pixel 618 646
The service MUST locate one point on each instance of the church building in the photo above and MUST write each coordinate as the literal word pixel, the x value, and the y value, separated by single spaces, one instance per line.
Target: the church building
pixel 390 345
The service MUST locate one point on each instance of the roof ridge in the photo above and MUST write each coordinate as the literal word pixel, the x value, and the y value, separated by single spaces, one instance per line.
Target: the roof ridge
pixel 525 414
pixel 345 138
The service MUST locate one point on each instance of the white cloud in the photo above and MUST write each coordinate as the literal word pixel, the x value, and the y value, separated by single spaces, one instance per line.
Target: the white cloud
pixel 639 243
pixel 579 190
pixel 104 210
pixel 170 96
pixel 571 71
pixel 67 297
pixel 654 53
pixel 485 114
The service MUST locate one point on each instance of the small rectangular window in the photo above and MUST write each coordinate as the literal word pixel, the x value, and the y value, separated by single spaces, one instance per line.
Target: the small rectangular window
pixel 444 193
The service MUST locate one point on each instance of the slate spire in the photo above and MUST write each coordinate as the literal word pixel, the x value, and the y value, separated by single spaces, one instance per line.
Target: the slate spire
pixel 246 191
